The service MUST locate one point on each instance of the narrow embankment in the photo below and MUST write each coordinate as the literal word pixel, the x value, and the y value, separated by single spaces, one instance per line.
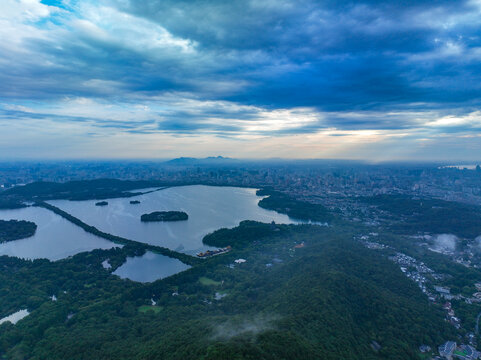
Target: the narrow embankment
pixel 187 259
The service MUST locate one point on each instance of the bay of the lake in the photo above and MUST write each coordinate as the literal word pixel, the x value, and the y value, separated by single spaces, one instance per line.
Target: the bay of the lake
pixel 209 208
pixel 55 238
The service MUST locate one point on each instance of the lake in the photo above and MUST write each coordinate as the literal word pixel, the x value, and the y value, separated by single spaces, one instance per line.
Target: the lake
pixel 149 267
pixel 15 317
pixel 55 238
pixel 209 208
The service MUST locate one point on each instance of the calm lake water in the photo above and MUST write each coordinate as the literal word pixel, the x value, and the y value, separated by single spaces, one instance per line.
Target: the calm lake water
pixel 55 238
pixel 209 208
pixel 15 317
pixel 149 267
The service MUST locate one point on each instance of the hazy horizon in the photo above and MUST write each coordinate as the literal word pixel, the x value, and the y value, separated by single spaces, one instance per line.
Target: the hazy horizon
pixel 233 160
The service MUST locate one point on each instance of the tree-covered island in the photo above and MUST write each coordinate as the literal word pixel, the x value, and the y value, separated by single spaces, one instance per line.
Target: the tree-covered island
pixel 164 216
pixel 16 229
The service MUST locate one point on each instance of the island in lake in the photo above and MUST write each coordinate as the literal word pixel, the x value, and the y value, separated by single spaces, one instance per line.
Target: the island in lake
pixel 16 229
pixel 101 203
pixel 134 202
pixel 165 216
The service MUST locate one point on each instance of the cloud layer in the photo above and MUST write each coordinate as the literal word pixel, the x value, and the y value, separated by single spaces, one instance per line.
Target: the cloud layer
pixel 322 79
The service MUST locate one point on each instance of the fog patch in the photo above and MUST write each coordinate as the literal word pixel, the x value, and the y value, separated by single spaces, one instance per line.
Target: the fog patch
pixel 477 243
pixel 242 326
pixel 444 242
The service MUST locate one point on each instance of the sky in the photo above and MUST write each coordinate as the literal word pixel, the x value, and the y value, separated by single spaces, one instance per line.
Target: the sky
pixel 371 80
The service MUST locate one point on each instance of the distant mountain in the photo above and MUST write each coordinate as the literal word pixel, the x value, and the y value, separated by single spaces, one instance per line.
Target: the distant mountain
pixel 211 160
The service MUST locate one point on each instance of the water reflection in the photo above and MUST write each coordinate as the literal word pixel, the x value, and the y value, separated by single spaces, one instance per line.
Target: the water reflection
pixel 15 317
pixel 149 267
pixel 209 208
pixel 55 238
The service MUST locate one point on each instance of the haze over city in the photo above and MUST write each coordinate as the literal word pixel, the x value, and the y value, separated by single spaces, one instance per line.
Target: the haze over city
pixel 248 79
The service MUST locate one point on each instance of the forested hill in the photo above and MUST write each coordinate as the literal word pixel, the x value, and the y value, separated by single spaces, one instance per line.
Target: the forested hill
pixel 76 190
pixel 304 292
pixel 414 215
pixel 85 190
pixel 295 209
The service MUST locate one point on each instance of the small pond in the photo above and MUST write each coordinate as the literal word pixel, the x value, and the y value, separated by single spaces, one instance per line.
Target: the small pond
pixel 149 267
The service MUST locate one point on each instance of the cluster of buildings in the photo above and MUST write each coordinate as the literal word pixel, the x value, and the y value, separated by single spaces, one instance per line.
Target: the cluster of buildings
pixel 412 268
pixel 451 316
pixel 422 275
pixel 450 350
pixel 467 255
pixel 419 273
pixel 210 253
pixel 328 182
pixel 416 271
pixel 373 245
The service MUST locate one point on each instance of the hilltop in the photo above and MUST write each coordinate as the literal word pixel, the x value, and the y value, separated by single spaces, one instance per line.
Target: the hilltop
pixel 211 160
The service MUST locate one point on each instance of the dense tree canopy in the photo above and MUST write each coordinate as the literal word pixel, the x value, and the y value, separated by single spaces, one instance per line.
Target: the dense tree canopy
pixel 16 229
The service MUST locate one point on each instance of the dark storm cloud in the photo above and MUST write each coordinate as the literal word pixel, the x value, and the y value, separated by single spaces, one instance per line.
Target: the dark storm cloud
pixel 15 115
pixel 332 55
pixel 373 57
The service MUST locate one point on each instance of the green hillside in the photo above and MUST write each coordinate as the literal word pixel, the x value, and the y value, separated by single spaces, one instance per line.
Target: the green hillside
pixel 329 299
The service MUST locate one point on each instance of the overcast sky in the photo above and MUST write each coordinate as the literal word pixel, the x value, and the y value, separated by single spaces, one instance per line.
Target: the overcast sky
pixel 266 78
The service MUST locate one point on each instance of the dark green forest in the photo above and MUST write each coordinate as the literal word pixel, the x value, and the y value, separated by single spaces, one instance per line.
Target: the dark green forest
pixel 304 292
pixel 16 229
pixel 77 190
pixel 164 216
pixel 295 209
pixel 329 299
pixel 101 203
pixel 10 203
pixel 429 215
